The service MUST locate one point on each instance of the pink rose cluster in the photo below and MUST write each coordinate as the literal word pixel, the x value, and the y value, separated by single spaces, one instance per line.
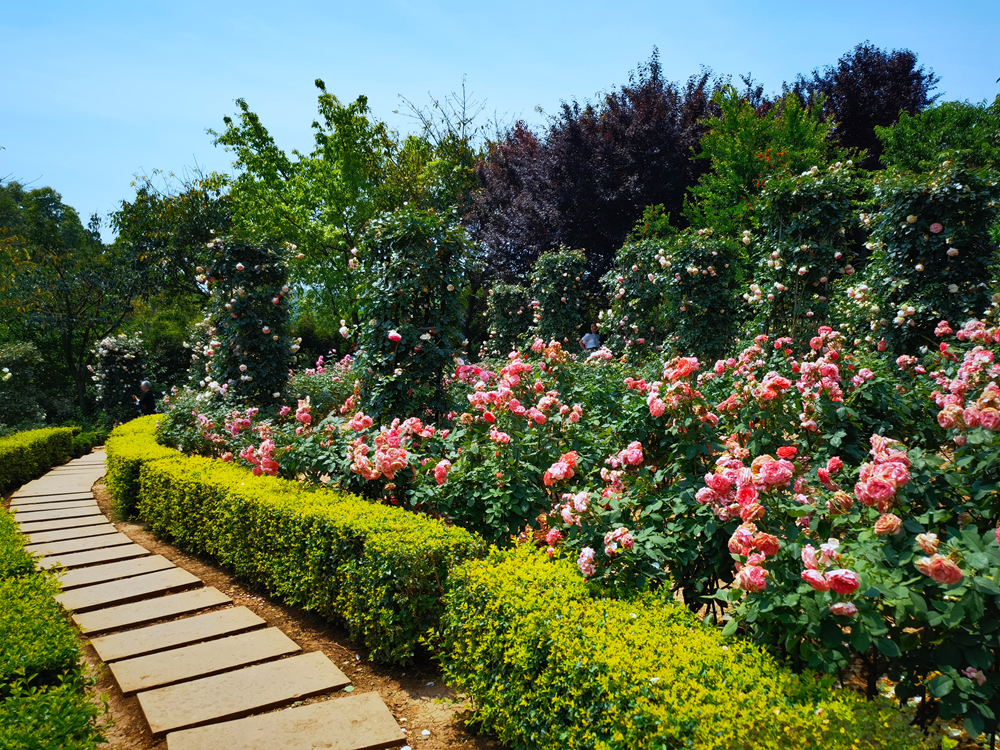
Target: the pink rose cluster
pixel 959 409
pixel 360 422
pixel 261 459
pixel 734 489
pixel 572 506
pixel 839 580
pixel 617 540
pixel 941 569
pixel 238 421
pixel 880 478
pixel 585 562
pixel 756 546
pixel 561 469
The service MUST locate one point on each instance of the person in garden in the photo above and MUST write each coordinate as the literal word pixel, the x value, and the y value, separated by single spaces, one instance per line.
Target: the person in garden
pixel 591 340
pixel 146 402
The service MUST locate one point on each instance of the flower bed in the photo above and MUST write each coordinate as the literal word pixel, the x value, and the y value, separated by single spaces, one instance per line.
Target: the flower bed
pixel 549 665
pixel 43 703
pixel 380 570
pixel 26 455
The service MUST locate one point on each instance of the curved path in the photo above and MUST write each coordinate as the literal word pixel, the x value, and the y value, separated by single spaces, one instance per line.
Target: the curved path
pixel 205 673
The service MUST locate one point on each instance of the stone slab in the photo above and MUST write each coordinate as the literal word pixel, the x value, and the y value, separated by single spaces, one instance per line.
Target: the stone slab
pixel 55 485
pixel 84 544
pixel 62 523
pixel 40 499
pixel 235 694
pixel 93 557
pixel 113 571
pixel 24 491
pixel 354 722
pixel 177 633
pixel 127 590
pixel 68 505
pixel 54 515
pixel 62 535
pixel 151 610
pixel 201 660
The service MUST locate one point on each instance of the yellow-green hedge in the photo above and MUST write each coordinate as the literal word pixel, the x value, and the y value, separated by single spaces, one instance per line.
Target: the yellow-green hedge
pixel 380 570
pixel 26 455
pixel 43 702
pixel 128 448
pixel 550 665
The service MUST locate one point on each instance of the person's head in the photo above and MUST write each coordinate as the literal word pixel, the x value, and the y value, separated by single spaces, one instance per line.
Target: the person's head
pixel 145 385
pixel 593 327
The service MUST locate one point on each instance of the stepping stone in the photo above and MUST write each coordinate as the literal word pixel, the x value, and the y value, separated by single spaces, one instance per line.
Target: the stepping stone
pixel 16 502
pixel 201 660
pixel 55 515
pixel 234 694
pixel 79 545
pixel 62 535
pixel 127 590
pixel 114 571
pixel 23 492
pixel 63 523
pixel 59 485
pixel 177 633
pixel 68 505
pixel 354 722
pixel 93 557
pixel 151 610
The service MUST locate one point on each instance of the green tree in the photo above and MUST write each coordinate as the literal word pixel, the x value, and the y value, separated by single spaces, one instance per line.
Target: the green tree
pixel 747 145
pixel 58 282
pixel 967 131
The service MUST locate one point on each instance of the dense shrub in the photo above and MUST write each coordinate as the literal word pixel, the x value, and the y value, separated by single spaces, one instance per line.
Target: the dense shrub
pixel 121 366
pixel 637 320
pixel 548 665
pixel 558 295
pixel 128 448
pixel 509 316
pixel 377 569
pixel 26 455
pixel 415 264
pixel 43 703
pixel 19 404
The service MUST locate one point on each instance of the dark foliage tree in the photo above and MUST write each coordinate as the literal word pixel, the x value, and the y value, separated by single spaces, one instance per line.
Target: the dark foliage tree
pixel 869 88
pixel 587 179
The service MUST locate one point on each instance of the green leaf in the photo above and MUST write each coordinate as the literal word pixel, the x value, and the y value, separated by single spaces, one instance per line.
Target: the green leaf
pixel 888 647
pixel 730 628
pixel 941 685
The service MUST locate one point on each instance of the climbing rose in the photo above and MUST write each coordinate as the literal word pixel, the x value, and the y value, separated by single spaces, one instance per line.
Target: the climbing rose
pixel 751 579
pixel 843 581
pixel 929 542
pixel 844 609
pixel 888 524
pixel 940 568
pixel 441 470
pixel 586 562
pixel 809 557
pixel 815 579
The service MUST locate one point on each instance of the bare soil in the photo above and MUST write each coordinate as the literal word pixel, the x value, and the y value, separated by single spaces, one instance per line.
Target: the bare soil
pixel 415 695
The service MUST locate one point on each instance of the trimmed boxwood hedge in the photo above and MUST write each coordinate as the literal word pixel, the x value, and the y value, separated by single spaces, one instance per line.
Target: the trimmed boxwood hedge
pixel 128 448
pixel 43 701
pixel 550 664
pixel 379 570
pixel 26 455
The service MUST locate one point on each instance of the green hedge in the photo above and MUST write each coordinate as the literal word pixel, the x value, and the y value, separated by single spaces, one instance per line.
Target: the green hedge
pixel 550 665
pixel 379 570
pixel 30 454
pixel 43 700
pixel 128 448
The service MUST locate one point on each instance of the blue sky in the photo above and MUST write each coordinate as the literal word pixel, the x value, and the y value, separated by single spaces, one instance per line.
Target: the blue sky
pixel 94 92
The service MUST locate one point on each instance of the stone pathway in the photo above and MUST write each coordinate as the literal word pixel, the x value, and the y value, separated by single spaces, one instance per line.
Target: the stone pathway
pixel 209 680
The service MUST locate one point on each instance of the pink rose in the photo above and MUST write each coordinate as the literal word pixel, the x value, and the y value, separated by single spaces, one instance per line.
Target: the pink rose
pixel 998 534
pixel 586 562
pixel 887 524
pixel 752 512
pixel 809 557
pixel 741 542
pixel 989 419
pixel 751 579
pixel 718 483
pixel 815 579
pixel 746 495
pixel 767 544
pixel 441 471
pixel 656 407
pixel 843 609
pixel 776 472
pixel 929 542
pixel 936 228
pixel 394 336
pixel 941 569
pixel 843 581
pixel 705 496
pixel 894 473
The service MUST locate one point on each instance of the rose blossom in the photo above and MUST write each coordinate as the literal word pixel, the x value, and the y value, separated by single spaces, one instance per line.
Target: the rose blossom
pixel 751 579
pixel 844 609
pixel 394 336
pixel 887 524
pixel 553 537
pixel 809 557
pixel 741 542
pixel 767 544
pixel 586 562
pixel 941 569
pixel 843 581
pixel 929 542
pixel 815 579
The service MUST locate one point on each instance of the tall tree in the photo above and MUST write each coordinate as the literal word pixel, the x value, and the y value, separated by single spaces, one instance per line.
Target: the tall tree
pixel 57 279
pixel 587 179
pixel 869 88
